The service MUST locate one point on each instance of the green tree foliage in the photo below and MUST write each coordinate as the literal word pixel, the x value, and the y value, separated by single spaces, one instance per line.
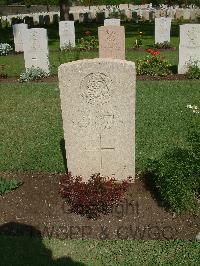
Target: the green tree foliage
pixel 3 2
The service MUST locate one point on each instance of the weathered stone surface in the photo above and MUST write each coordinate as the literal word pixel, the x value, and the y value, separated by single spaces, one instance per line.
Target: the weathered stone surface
pixel 67 34
pixel 163 12
pixel 162 29
pixel 189 48
pixel 112 22
pixel 187 14
pixel 157 13
pixel 129 14
pixel 192 14
pixel 36 49
pixel 76 16
pixel 81 17
pixel 18 31
pixel 98 111
pixel 111 42
pixel 171 13
pixel 179 14
pixel 145 15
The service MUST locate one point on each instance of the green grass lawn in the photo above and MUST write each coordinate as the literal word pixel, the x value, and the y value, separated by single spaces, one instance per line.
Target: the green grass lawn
pixel 15 63
pixel 23 251
pixel 31 124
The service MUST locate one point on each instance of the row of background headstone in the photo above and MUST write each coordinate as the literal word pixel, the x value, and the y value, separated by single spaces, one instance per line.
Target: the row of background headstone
pixel 34 42
pixel 100 13
pixel 67 32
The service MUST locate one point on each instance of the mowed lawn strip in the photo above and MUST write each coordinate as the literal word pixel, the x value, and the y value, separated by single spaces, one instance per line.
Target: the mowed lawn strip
pixel 31 128
pixel 32 133
pixel 23 251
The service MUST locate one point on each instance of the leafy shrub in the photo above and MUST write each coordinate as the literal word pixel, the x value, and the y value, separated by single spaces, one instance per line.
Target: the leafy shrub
pixel 153 65
pixel 139 41
pixel 177 173
pixel 91 198
pixel 3 73
pixel 193 71
pixel 33 74
pixel 164 45
pixel 8 185
pixel 123 16
pixel 4 24
pixel 115 13
pixel 88 43
pixel 5 49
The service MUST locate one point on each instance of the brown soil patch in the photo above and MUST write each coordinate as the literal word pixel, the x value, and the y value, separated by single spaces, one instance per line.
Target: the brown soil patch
pixel 55 78
pixel 169 77
pixel 141 49
pixel 38 204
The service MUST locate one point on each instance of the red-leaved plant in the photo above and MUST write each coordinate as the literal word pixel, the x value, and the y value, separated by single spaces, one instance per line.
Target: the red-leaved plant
pixel 94 197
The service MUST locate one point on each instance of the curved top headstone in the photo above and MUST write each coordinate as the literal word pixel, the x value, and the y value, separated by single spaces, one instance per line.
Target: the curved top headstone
pixel 98 111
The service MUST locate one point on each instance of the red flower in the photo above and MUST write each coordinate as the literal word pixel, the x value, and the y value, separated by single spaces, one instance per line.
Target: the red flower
pixel 149 51
pixel 152 52
pixel 155 53
pixel 87 33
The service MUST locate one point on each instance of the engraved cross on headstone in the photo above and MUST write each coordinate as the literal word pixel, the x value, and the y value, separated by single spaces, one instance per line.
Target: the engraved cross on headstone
pixel 104 148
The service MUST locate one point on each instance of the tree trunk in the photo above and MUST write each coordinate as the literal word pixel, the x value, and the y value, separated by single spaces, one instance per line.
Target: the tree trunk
pixel 64 10
pixel 48 7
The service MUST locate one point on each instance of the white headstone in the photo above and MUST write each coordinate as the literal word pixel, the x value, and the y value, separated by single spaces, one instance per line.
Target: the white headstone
pixel 171 13
pixel 145 15
pixel 76 16
pixel 36 19
pixel 67 34
pixel 18 31
pixel 98 111
pixel 193 14
pixel 162 29
pixel 157 13
pixel 179 14
pixel 81 17
pixel 129 14
pixel 36 51
pixel 111 42
pixel 186 14
pixel 189 47
pixel 163 12
pixel 112 22
pixel 107 13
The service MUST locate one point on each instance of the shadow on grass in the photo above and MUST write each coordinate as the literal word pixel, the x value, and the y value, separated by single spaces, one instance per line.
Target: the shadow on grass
pixel 63 151
pixel 22 245
pixel 174 69
pixel 149 183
